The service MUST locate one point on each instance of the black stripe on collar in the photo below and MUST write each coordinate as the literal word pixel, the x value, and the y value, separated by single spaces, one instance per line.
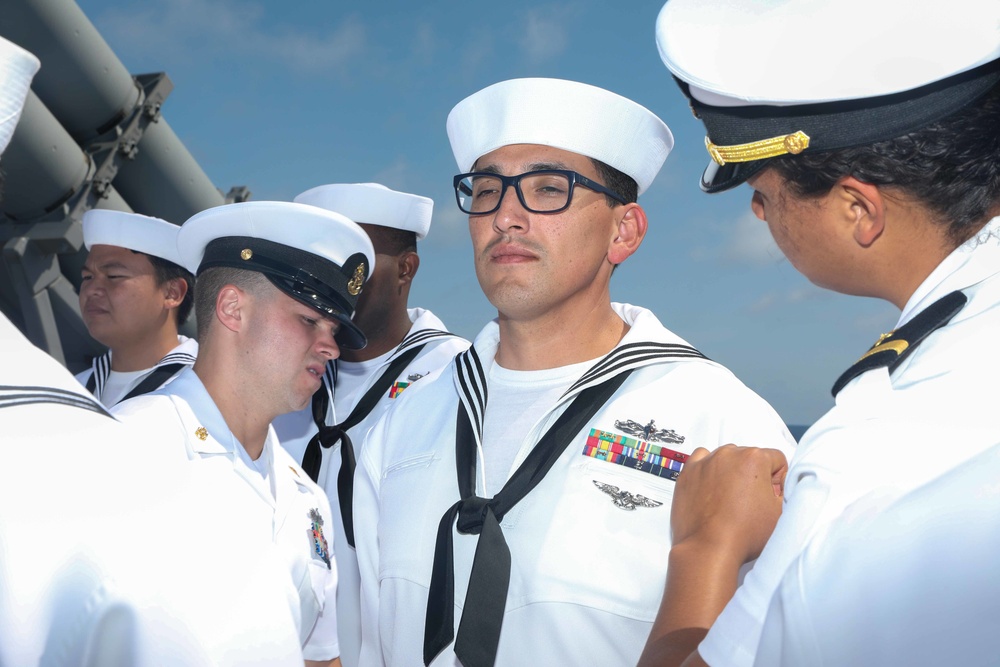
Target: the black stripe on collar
pixel 12 396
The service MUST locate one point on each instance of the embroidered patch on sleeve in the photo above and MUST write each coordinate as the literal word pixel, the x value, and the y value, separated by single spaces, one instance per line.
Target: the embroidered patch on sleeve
pixel 320 547
pixel 397 388
pixel 633 453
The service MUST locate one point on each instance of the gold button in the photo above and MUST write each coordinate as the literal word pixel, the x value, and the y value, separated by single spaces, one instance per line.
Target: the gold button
pixel 246 253
pixel 202 433
pixel 796 143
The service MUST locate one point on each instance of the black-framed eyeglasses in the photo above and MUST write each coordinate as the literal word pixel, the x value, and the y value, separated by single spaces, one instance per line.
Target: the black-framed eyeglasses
pixel 542 191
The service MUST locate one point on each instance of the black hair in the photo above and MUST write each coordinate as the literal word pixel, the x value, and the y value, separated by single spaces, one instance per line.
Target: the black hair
pixel 620 183
pixel 390 240
pixel 952 166
pixel 165 271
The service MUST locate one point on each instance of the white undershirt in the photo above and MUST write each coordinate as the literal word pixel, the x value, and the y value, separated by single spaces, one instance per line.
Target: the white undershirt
pixel 516 401
pixel 352 378
pixel 118 384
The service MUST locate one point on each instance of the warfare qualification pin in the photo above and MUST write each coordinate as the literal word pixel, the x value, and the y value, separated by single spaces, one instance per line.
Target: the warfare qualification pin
pixel 625 499
pixel 649 432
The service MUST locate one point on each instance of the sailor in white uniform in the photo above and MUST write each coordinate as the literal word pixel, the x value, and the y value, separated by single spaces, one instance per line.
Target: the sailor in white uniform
pixel 115 555
pixel 404 345
pixel 553 443
pixel 870 135
pixel 277 283
pixel 134 296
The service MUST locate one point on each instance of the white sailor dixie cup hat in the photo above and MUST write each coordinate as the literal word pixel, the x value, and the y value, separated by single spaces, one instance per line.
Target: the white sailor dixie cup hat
pixel 317 257
pixel 17 68
pixel 779 77
pixel 141 233
pixel 374 204
pixel 571 116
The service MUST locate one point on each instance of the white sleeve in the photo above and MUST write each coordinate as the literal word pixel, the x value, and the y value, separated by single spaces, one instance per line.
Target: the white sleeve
pixel 837 462
pixel 366 523
pixel 911 583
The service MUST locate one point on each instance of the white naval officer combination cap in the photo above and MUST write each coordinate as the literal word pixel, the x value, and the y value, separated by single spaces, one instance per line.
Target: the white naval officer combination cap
pixel 140 233
pixel 568 115
pixel 779 77
pixel 317 257
pixel 374 204
pixel 17 68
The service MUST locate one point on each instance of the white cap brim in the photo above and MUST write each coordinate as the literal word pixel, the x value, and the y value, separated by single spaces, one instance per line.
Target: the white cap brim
pixel 141 233
pixel 373 204
pixel 323 233
pixel 781 53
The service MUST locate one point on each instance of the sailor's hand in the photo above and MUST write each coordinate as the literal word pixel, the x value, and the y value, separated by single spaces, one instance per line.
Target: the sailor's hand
pixel 729 500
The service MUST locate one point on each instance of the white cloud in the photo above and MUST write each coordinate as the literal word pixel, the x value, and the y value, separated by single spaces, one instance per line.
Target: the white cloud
pixel 743 241
pixel 748 241
pixel 781 298
pixel 478 51
pixel 451 226
pixel 544 34
pixel 395 175
pixel 425 43
pixel 193 31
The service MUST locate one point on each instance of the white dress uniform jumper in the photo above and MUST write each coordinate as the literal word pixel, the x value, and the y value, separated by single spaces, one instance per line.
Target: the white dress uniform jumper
pixel 578 537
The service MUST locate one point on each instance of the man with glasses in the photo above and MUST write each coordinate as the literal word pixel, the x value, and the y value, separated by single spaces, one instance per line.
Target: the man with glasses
pixel 566 422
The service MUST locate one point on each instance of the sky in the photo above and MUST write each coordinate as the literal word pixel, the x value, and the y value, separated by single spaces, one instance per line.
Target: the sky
pixel 283 96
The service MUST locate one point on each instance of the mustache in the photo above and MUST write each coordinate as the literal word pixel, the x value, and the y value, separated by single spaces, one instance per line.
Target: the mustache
pixel 506 239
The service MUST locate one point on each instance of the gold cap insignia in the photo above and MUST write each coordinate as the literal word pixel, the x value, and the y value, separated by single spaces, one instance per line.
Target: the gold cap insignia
pixel 246 253
pixel 758 150
pixel 355 283
pixel 201 433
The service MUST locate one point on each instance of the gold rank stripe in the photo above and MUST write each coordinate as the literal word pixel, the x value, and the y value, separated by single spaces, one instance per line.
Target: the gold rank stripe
pixel 896 346
pixel 759 150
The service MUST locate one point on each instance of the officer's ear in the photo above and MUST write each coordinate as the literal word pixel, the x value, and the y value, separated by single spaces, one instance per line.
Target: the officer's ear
pixel 630 232
pixel 864 208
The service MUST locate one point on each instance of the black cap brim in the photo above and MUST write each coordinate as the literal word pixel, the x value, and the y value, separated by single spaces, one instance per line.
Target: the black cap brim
pixel 328 288
pixel 834 125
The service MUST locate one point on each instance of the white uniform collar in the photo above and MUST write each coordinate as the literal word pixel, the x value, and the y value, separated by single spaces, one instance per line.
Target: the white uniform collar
pixel 426 328
pixel 25 369
pixel 185 353
pixel 219 439
pixel 647 343
pixel 208 434
pixel 644 327
pixel 972 262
